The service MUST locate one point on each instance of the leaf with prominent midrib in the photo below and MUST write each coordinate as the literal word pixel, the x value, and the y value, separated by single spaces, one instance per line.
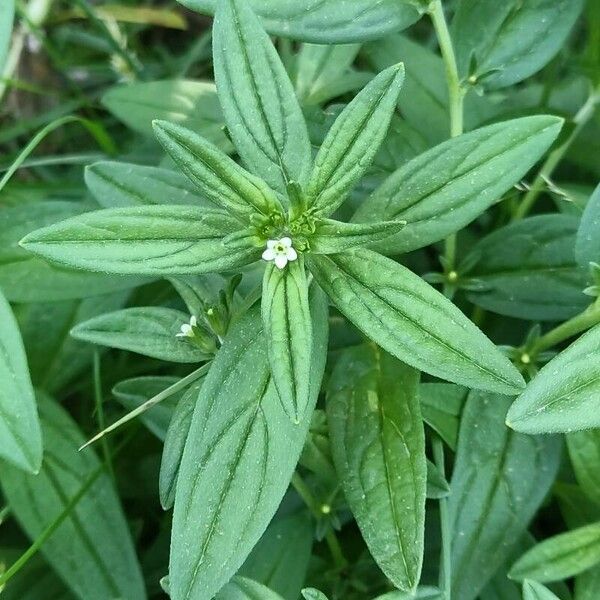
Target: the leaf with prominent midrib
pixel 353 141
pixel 560 556
pixel 92 549
pixel 565 394
pixel 500 479
pixel 116 184
pixel 378 445
pixel 445 188
pixel 345 22
pixel 412 321
pixel 288 332
pixel 149 330
pixel 260 107
pixel 20 435
pixel 528 270
pixel 150 240
pixel 240 454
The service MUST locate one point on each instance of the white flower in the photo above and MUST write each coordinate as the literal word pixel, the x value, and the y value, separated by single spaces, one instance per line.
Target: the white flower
pixel 187 329
pixel 280 252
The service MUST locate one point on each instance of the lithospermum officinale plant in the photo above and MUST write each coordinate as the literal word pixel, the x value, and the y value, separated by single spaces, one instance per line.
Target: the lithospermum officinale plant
pixel 261 200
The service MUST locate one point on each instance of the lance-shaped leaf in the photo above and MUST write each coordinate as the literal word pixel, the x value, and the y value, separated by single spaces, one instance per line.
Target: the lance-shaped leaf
pixel 445 188
pixel 353 141
pixel 532 590
pixel 378 446
pixel 500 479
pixel 303 19
pixel 260 107
pixel 288 332
pixel 565 395
pixel 331 236
pixel 584 452
pixel 528 270
pixel 20 435
pixel 123 184
pixel 91 549
pixel 412 321
pixel 156 240
pixel 148 330
pixel 177 434
pixel 218 177
pixel 587 246
pixel 242 588
pixel 239 457
pixel 560 556
pixel 518 39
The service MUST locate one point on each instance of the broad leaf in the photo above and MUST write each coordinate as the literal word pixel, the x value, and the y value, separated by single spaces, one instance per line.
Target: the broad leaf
pixel 500 479
pixel 193 103
pixel 153 240
pixel 123 184
pixel 55 358
pixel 280 559
pixel 532 590
pixel 240 445
pixel 288 332
pixel 587 247
pixel 177 433
pixel 25 277
pixel 584 451
pixel 444 189
pixel 353 141
pixel 331 236
pixel 241 588
pixel 441 405
pixel 150 331
pixel 519 37
pixel 218 177
pixel 560 556
pixel 412 321
pixel 91 549
pixel 564 396
pixel 323 72
pixel 528 270
pixel 20 435
pixel 378 446
pixel 260 107
pixel 303 19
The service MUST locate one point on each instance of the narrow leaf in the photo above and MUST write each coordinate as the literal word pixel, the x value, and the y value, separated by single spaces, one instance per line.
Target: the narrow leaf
pixel 587 246
pixel 532 590
pixel 218 177
pixel 565 395
pixel 412 321
pixel 241 588
pixel 150 331
pixel 20 435
pixel 584 452
pixel 156 240
pixel 240 445
pixel 116 184
pixel 260 107
pixel 332 236
pixel 353 141
pixel 288 333
pixel 500 479
pixel 378 446
pixel 444 189
pixel 560 556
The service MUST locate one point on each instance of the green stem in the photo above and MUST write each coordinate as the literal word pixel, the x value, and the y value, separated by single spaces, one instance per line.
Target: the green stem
pixel 455 103
pixel 445 582
pixel 332 542
pixel 582 322
pixel 585 113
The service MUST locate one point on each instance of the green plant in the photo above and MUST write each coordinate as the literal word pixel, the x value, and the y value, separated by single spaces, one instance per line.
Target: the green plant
pixel 275 248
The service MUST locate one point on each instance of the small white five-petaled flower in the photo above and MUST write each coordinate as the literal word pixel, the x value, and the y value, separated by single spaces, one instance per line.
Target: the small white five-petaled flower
pixel 187 329
pixel 280 252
